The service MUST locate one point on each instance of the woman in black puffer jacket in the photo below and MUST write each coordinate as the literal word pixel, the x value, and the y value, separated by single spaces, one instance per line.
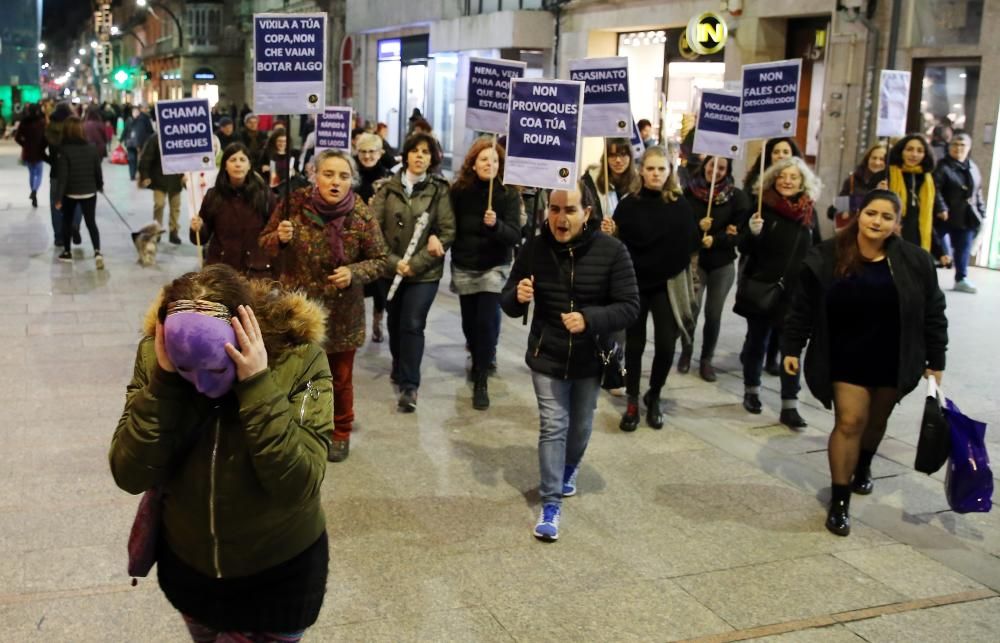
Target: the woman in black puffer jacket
pixel 78 169
pixel 481 255
pixel 583 286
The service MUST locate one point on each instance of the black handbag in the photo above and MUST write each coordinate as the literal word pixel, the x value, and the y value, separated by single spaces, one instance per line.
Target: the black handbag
pixel 757 298
pixel 612 358
pixel 934 444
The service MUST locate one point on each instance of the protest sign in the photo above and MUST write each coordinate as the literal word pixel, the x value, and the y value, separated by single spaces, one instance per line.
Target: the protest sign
pixel 770 103
pixel 185 135
pixel 543 145
pixel 289 63
pixel 489 93
pixel 718 130
pixel 333 129
pixel 893 98
pixel 638 147
pixel 606 110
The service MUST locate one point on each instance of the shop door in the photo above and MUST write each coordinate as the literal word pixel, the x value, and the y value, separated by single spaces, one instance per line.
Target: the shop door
pixel 414 94
pixel 943 96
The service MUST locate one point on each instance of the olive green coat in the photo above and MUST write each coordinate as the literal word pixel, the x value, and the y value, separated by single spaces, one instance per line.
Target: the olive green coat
pixel 241 475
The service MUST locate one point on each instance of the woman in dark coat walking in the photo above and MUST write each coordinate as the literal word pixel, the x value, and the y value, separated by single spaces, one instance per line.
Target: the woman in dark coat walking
pixel 481 255
pixel 233 214
pixel 583 287
pixel 960 184
pixel 869 306
pixel 869 175
pixel 779 238
pixel 721 233
pixel 658 227
pixel 31 137
pixel 79 181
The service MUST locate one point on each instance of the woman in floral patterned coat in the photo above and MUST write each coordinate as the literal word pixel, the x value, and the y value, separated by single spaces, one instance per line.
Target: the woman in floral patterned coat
pixel 330 246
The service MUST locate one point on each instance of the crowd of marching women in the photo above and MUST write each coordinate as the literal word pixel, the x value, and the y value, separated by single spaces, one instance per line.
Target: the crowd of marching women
pixel 591 264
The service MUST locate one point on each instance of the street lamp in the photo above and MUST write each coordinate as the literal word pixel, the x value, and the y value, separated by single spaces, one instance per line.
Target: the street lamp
pixel 93 44
pixel 76 61
pixel 115 30
pixel 72 69
pixel 81 51
pixel 41 46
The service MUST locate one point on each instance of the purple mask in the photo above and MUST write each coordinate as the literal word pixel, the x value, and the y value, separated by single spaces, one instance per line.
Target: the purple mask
pixel 195 344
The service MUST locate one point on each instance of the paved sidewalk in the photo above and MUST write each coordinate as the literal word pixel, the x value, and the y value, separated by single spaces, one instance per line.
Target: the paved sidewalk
pixel 711 529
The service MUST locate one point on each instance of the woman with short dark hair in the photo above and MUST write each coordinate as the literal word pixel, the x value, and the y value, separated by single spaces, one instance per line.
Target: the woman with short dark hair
pixel 869 306
pixel 398 205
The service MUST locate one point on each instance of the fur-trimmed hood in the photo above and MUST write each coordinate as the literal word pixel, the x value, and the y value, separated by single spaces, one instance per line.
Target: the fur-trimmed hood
pixel 287 318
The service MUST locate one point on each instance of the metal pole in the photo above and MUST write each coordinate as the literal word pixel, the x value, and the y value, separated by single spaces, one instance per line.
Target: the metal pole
pixel 890 62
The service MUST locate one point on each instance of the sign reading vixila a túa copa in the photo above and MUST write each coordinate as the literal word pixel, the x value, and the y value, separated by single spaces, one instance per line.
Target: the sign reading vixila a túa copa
pixel 289 63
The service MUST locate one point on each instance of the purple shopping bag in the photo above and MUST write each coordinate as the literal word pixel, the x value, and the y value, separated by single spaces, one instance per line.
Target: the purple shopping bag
pixel 969 480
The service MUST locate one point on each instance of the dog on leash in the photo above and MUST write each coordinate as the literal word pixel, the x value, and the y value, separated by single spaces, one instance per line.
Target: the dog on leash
pixel 146 240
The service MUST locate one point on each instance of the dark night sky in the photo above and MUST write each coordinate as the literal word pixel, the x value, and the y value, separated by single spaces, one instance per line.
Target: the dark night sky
pixel 62 21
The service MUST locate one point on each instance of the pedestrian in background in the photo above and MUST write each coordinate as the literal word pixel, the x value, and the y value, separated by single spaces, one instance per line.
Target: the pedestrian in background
pixel 869 175
pixel 779 237
pixel 485 237
pixel 80 179
pixel 329 247
pixel 276 161
pixel 95 131
pixel 658 227
pixel 30 136
pixel 869 306
pixel 53 145
pixel 910 176
pixel 227 415
pixel 253 138
pixel 720 235
pixel 398 204
pixel 227 136
pixel 583 288
pixel 166 187
pixel 372 174
pixel 960 183
pixel 137 131
pixel 232 215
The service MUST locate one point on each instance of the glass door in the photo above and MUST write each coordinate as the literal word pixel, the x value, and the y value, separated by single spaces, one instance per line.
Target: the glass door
pixel 414 91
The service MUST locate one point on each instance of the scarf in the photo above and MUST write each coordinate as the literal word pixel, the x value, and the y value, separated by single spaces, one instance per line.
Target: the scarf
pixel 700 187
pixel 798 209
pixel 332 217
pixel 925 199
pixel 411 182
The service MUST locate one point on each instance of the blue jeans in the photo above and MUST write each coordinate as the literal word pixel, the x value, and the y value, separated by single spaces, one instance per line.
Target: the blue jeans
pixel 758 332
pixel 566 417
pixel 961 245
pixel 406 321
pixel 35 175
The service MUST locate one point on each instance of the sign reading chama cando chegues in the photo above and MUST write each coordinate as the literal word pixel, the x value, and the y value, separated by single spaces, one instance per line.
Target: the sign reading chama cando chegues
pixel 185 135
pixel 543 145
pixel 289 63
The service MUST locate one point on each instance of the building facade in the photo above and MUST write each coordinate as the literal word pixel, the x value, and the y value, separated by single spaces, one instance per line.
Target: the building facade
pixel 414 55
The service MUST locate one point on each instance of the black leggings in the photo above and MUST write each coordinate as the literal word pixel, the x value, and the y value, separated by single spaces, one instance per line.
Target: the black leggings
pixel 89 208
pixel 481 326
pixel 377 290
pixel 665 334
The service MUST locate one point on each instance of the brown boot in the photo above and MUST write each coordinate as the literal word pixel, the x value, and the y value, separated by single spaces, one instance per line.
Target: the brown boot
pixel 706 370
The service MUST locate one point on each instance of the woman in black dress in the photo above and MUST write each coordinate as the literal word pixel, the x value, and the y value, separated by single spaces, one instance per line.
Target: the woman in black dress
pixel 871 310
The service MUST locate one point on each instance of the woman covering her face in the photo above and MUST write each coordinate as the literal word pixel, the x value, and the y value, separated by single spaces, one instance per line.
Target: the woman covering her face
pixel 228 415
pixel 869 306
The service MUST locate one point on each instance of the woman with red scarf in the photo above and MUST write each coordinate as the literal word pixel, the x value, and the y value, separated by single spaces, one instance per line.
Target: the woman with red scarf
pixel 330 247
pixel 780 235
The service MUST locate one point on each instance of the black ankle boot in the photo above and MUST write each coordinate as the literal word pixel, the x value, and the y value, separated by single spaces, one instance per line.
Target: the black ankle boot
pixel 654 416
pixel 480 391
pixel 837 519
pixel 751 402
pixel 861 483
pixel 684 363
pixel 792 419
pixel 630 420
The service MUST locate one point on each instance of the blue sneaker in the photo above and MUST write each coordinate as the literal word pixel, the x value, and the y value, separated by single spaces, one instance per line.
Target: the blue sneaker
pixel 547 528
pixel 569 480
